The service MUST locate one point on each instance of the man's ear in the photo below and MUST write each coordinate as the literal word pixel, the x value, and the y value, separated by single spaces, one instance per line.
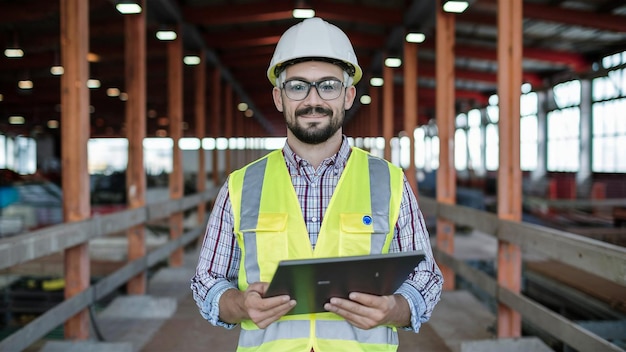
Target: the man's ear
pixel 278 99
pixel 350 95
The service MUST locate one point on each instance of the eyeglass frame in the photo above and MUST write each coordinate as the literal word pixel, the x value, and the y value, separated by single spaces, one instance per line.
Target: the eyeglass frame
pixel 313 84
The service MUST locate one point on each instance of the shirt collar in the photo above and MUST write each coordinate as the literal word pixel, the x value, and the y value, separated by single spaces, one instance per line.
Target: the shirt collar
pixel 339 159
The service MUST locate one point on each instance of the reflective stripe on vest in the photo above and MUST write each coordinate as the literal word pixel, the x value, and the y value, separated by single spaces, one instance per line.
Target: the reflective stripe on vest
pixel 270 228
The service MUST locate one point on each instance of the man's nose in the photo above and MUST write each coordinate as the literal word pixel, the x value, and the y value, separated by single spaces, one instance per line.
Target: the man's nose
pixel 314 96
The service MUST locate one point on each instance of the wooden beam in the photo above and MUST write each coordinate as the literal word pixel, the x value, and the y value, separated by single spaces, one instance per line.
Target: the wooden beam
pixel 388 106
pixel 200 116
pixel 445 113
pixel 228 120
pixel 135 68
pixel 410 107
pixel 510 36
pixel 216 81
pixel 175 114
pixel 75 134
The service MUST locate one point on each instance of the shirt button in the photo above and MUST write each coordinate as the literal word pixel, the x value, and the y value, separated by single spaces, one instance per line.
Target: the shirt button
pixel 314 219
pixel 313 185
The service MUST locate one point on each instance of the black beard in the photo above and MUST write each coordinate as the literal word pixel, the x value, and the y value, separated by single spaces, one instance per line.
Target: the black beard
pixel 311 134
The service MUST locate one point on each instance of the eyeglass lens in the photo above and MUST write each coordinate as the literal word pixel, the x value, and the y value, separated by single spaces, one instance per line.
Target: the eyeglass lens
pixel 327 89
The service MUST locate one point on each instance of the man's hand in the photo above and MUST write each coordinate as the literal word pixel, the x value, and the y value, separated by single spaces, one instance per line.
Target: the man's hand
pixel 367 311
pixel 236 305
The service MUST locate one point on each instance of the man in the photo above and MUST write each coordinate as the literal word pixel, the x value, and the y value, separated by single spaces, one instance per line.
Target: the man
pixel 307 200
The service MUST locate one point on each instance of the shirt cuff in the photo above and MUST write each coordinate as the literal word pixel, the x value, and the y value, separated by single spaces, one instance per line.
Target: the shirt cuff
pixel 417 305
pixel 211 305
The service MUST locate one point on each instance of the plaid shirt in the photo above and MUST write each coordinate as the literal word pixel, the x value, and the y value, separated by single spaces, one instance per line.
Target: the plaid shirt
pixel 218 265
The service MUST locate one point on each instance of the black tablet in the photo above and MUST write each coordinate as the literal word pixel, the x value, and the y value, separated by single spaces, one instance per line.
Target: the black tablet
pixel 312 282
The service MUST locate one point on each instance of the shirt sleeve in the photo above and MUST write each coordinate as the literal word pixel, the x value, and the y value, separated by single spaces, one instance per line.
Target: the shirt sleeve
pixel 422 289
pixel 218 264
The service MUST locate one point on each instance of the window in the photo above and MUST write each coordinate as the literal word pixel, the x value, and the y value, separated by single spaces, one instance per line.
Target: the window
pixel 563 140
pixel 609 121
pixel 609 136
pixel 528 131
pixel 474 140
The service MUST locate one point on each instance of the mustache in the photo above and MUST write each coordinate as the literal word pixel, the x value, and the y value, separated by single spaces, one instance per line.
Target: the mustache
pixel 314 110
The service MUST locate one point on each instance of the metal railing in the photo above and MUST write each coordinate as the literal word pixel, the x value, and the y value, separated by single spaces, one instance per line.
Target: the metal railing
pixel 37 244
pixel 599 258
pixel 602 259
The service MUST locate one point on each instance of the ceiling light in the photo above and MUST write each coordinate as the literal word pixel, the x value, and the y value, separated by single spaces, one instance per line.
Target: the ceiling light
pixel 454 6
pixel 303 10
pixel 53 124
pixel 13 52
pixel 93 83
pixel 166 35
pixel 113 92
pixel 92 57
pixel 242 107
pixel 415 37
pixel 25 84
pixel 248 113
pixel 16 120
pixel 303 13
pixel 191 60
pixel 376 82
pixel 393 62
pixel 57 70
pixel 365 99
pixel 123 96
pixel 128 7
pixel 1 97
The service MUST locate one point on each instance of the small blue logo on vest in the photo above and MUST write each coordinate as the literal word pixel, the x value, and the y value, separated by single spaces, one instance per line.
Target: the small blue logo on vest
pixel 367 220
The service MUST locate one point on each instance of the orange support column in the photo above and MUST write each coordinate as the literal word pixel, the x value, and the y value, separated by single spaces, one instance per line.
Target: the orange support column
pixel 374 113
pixel 228 121
pixel 410 107
pixel 175 112
pixel 215 122
pixel 387 109
pixel 75 134
pixel 509 173
pixel 200 115
pixel 135 69
pixel 446 174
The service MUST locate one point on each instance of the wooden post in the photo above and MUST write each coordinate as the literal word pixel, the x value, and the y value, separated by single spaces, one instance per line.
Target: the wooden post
pixel 75 134
pixel 135 72
pixel 410 107
pixel 387 109
pixel 375 116
pixel 509 174
pixel 446 174
pixel 175 113
pixel 200 115
pixel 215 125
pixel 239 120
pixel 228 121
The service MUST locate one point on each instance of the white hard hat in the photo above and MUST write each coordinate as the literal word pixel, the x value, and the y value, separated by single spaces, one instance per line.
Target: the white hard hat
pixel 314 38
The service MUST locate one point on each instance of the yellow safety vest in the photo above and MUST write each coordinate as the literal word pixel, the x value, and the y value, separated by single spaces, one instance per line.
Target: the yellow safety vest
pixel 269 226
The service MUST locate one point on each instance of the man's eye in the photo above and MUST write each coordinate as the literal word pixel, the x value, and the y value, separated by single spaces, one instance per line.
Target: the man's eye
pixel 328 85
pixel 297 86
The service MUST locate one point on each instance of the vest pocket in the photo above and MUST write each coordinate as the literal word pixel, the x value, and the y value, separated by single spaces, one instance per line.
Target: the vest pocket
pixel 271 242
pixel 356 231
